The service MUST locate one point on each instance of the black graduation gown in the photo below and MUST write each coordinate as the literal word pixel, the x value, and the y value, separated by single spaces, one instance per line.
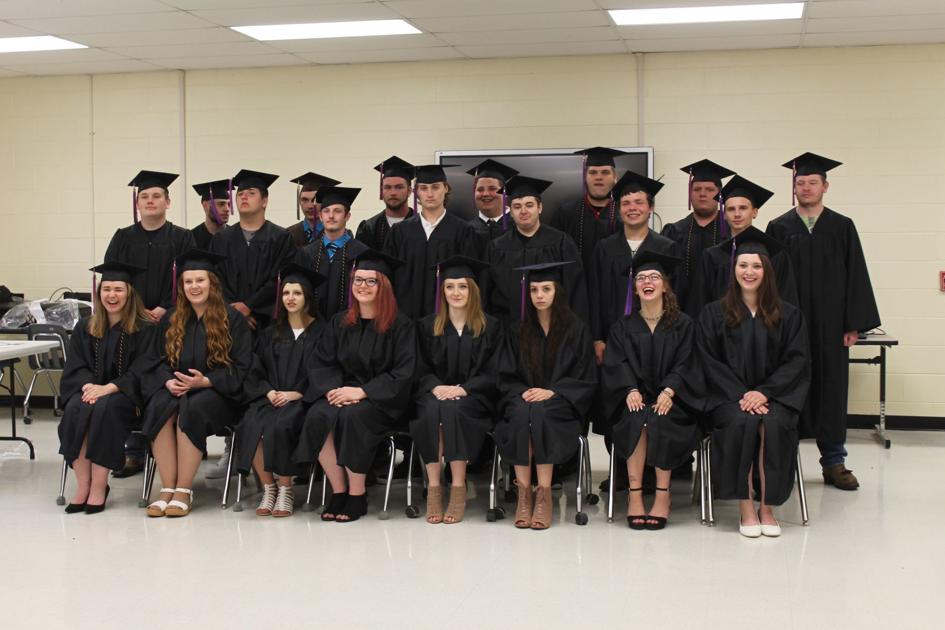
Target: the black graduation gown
pixel 131 245
pixel 248 274
pixel 332 296
pixel 773 362
pixel 555 424
pixel 118 358
pixel 710 282
pixel 502 287
pixel 692 240
pixel 200 412
pixel 607 282
pixel 577 220
pixel 835 295
pixel 636 358
pixel 202 237
pixel 491 229
pixel 302 235
pixel 373 232
pixel 415 280
pixel 357 356
pixel 279 363
pixel 453 359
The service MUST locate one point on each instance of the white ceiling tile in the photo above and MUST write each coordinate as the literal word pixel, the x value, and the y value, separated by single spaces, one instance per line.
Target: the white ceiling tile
pixel 662 4
pixel 443 8
pixel 203 5
pixel 862 8
pixel 714 43
pixel 547 49
pixel 813 40
pixel 243 61
pixel 86 67
pixel 24 9
pixel 168 20
pixel 700 31
pixel 384 56
pixel 193 50
pixel 213 35
pixel 384 42
pixel 79 55
pixel 295 15
pixel 9 30
pixel 473 38
pixel 516 22
pixel 876 23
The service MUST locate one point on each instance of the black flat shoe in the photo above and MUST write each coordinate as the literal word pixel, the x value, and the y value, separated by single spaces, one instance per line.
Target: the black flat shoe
pixel 636 517
pixel 355 508
pixel 74 508
pixel 658 522
pixel 335 506
pixel 95 509
pixel 132 467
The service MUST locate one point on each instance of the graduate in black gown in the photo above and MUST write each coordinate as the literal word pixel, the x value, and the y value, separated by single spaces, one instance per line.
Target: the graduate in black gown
pixel 100 385
pixel 215 201
pixel 205 352
pixel 456 387
pixel 649 385
pixel 254 250
pixel 754 354
pixel 151 243
pixel 359 385
pixel 547 379
pixel 594 217
pixel 334 252
pixel 530 243
pixel 703 228
pixel 421 241
pixel 396 178
pixel 268 433
pixel 309 225
pixel 836 297
pixel 489 200
pixel 742 199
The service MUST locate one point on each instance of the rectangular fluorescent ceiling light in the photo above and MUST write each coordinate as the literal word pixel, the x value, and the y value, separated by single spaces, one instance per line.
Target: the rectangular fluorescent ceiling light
pixel 696 15
pixel 33 44
pixel 323 30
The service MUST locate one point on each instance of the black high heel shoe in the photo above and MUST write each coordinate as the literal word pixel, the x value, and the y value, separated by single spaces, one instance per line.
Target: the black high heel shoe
pixel 636 517
pixel 335 506
pixel 659 522
pixel 355 508
pixel 95 509
pixel 75 508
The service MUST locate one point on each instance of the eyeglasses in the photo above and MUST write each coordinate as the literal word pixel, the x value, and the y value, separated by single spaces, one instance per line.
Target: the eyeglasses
pixel 359 281
pixel 653 278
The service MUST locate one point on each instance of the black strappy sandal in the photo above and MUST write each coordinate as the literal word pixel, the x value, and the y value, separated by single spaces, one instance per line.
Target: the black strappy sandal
pixel 335 505
pixel 636 517
pixel 355 508
pixel 659 522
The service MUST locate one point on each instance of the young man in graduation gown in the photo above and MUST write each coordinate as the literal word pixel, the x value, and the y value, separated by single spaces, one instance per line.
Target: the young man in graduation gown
pixel 334 252
pixel 396 176
pixel 492 220
pixel 215 200
pixel 529 243
pixel 425 239
pixel 309 227
pixel 594 216
pixel 836 297
pixel 742 199
pixel 151 244
pixel 255 251
pixel 703 227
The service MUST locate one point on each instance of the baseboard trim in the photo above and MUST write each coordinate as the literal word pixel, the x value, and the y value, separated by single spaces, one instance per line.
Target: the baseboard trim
pixel 898 423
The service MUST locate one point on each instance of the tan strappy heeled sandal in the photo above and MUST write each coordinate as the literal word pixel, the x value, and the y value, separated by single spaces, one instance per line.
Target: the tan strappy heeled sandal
pixel 541 517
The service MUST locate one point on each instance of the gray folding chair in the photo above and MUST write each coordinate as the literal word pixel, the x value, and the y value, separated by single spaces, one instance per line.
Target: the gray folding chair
pixel 47 363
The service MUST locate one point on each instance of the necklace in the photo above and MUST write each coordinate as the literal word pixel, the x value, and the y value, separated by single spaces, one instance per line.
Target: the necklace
pixel 651 319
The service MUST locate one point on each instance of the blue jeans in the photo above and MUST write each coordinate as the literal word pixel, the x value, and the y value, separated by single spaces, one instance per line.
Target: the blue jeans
pixel 831 453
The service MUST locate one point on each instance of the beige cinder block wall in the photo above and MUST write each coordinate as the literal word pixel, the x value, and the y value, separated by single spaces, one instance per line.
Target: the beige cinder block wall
pixel 72 143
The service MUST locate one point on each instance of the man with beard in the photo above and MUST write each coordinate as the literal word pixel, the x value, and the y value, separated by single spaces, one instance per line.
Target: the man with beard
pixel 215 200
pixel 396 175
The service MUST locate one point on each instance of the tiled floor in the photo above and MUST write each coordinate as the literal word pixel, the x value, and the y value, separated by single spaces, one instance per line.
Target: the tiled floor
pixel 870 559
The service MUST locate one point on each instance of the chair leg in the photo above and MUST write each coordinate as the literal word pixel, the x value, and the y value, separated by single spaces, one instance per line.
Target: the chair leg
pixel 61 499
pixel 29 393
pixel 237 506
pixel 580 517
pixel 702 477
pixel 493 477
pixel 325 488
pixel 410 474
pixel 801 491
pixel 54 390
pixel 588 481
pixel 390 477
pixel 19 379
pixel 610 485
pixel 229 471
pixel 150 466
pixel 710 510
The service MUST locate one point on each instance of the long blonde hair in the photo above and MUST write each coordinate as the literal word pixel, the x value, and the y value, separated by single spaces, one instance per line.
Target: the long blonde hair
pixel 475 318
pixel 133 315
pixel 215 322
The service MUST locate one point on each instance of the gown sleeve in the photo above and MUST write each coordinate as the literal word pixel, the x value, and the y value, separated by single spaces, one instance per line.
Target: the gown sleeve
pixel 482 376
pixel 389 388
pixel 511 380
pixel 722 383
pixel 616 375
pixel 323 371
pixel 574 278
pixel 257 382
pixel 283 253
pixel 682 375
pixel 789 382
pixel 228 380
pixel 130 382
pixel 154 369
pixel 578 383
pixel 595 282
pixel 787 286
pixel 426 376
pixel 78 370
pixel 861 312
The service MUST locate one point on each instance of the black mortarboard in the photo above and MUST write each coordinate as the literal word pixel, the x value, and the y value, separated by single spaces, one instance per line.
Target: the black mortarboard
pixel 296 273
pixel 116 271
pixel 633 182
pixel 495 170
pixel 738 186
pixel 811 164
pixel 198 260
pixel 544 272
pixel 254 179
pixel 431 173
pixel 707 171
pixel 649 260
pixel 373 260
pixel 152 179
pixel 599 156
pixel 314 181
pixel 522 186
pixel 219 189
pixel 331 195
pixel 460 266
pixel 395 167
pixel 752 241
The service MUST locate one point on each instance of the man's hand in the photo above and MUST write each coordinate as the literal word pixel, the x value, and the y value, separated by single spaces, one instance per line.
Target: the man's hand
pixel 849 338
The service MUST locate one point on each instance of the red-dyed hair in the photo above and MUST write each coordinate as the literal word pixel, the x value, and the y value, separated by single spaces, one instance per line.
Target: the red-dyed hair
pixel 385 306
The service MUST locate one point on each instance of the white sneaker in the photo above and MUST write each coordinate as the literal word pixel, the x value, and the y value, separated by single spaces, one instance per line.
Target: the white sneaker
pixel 219 469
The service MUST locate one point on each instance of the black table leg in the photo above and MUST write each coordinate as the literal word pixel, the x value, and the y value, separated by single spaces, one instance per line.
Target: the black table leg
pixel 13 436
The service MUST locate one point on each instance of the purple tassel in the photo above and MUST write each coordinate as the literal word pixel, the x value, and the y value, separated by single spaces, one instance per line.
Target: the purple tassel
pixel 439 292
pixel 415 200
pixel 134 203
pixel 612 207
pixel 229 194
pixel 174 283
pixel 521 313
pixel 628 303
pixel 275 307
pixel 505 214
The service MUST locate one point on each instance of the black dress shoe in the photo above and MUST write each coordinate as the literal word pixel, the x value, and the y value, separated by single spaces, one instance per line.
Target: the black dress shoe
pixel 74 508
pixel 132 467
pixel 95 509
pixel 355 508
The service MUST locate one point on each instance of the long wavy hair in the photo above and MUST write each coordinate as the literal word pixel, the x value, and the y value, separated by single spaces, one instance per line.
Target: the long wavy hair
pixel 215 322
pixel 769 301
pixel 282 315
pixel 385 306
pixel 475 318
pixel 670 302
pixel 530 355
pixel 133 315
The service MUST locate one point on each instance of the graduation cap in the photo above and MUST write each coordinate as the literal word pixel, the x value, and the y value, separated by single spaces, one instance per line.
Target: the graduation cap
pixel 707 171
pixel 394 167
pixel 116 271
pixel 197 260
pixel 148 179
pixel 599 156
pixel 646 260
pixel 634 182
pixel 750 241
pixel 332 195
pixel 522 186
pixel 373 260
pixel 431 173
pixel 254 179
pixel 738 186
pixel 454 268
pixel 540 272
pixel 211 191
pixel 313 181
pixel 809 164
pixel 494 169
pixel 296 273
